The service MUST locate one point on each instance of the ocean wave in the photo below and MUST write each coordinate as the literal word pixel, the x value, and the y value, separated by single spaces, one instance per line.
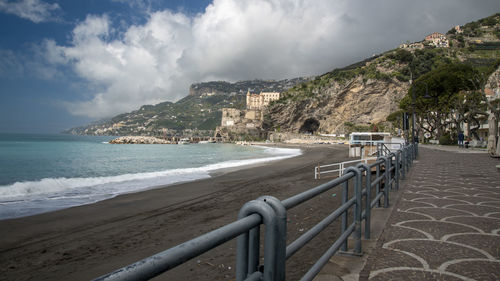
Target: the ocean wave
pixel 50 188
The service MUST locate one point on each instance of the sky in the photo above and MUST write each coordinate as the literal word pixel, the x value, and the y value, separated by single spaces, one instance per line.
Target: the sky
pixel 70 62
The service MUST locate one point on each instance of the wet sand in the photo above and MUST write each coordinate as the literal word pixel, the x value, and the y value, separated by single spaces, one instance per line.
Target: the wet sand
pixel 84 242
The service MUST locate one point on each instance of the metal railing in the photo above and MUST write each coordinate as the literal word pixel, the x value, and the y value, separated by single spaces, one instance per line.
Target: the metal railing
pixel 272 213
pixel 388 147
pixel 340 167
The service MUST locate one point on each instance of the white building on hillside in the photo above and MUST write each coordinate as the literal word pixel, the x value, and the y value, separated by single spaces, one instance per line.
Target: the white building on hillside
pixel 438 40
pixel 259 101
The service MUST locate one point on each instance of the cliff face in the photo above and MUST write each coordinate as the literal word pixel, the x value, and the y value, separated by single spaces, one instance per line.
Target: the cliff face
pixel 357 101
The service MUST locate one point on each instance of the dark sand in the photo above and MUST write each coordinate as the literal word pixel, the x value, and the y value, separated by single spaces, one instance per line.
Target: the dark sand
pixel 84 242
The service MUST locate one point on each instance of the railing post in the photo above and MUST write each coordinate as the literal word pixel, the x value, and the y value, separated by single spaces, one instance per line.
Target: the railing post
pixel 368 201
pixel 280 211
pixel 377 189
pixel 412 154
pixel 254 249
pixel 345 197
pixel 396 170
pixel 357 211
pixel 387 181
pixel 270 220
pixel 403 163
pixel 408 159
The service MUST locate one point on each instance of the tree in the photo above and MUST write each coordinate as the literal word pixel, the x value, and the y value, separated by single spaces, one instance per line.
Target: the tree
pixel 470 109
pixel 480 80
pixel 436 96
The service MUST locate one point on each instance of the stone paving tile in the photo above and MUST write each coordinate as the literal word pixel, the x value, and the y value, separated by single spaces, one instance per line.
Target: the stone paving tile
pixel 411 196
pixel 486 242
pixel 473 199
pixel 438 214
pixel 388 259
pixel 441 202
pixel 487 225
pixel 440 193
pixel 495 204
pixel 477 270
pixel 404 232
pixel 471 191
pixel 408 216
pixel 416 275
pixel 446 226
pixel 438 229
pixel 413 204
pixel 478 210
pixel 435 253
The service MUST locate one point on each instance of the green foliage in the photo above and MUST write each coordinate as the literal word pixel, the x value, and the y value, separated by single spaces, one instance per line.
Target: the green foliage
pixel 351 127
pixel 428 59
pixel 401 55
pixel 496 32
pixel 446 139
pixel 396 119
pixel 489 21
pixel 442 86
pixel 400 76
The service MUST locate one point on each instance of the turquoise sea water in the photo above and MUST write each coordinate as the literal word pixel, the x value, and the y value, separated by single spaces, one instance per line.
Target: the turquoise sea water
pixel 40 173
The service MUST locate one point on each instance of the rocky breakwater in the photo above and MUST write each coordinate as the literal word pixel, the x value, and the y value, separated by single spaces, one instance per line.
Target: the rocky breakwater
pixel 138 140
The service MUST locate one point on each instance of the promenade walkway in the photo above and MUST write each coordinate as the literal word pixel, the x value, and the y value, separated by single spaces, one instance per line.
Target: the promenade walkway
pixel 446 223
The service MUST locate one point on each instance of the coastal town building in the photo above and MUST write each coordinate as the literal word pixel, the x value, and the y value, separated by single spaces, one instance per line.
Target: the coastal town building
pixel 245 124
pixel 259 101
pixel 412 46
pixel 438 40
pixel 458 29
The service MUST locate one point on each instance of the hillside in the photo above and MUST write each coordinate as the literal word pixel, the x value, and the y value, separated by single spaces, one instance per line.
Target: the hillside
pixel 363 95
pixel 356 97
pixel 196 114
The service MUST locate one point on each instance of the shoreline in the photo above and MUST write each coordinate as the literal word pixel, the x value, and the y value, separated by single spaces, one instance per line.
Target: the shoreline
pixel 16 204
pixel 84 242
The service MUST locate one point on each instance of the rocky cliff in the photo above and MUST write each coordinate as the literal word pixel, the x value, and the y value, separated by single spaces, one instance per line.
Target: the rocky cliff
pixel 332 105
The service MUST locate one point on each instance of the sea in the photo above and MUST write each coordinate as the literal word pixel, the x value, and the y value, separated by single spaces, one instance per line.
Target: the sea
pixel 41 173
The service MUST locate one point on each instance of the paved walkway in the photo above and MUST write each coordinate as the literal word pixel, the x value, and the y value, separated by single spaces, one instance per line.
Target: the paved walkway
pixel 446 224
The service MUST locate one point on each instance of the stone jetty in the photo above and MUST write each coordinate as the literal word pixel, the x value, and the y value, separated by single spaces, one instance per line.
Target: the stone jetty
pixel 139 140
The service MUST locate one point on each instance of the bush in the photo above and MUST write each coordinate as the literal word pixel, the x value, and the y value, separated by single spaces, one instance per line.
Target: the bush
pixel 402 55
pixel 446 140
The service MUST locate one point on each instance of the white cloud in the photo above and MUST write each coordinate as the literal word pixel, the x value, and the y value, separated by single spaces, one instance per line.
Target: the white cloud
pixel 10 64
pixel 34 10
pixel 235 40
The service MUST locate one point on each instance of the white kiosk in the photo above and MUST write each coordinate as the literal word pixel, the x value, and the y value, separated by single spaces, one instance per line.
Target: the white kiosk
pixel 364 144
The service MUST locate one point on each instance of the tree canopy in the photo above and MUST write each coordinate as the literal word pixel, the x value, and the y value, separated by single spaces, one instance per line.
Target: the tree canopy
pixel 440 93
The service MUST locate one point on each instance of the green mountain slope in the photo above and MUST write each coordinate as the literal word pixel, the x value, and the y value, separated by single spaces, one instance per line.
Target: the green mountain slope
pixel 364 94
pixel 196 114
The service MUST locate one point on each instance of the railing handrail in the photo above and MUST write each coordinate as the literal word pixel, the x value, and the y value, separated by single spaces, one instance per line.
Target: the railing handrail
pixel 341 167
pixel 272 212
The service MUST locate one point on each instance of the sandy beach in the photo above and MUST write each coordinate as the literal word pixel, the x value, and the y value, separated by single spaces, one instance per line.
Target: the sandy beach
pixel 84 242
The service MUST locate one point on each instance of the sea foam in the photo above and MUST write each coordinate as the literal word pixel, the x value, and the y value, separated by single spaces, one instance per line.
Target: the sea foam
pixel 56 193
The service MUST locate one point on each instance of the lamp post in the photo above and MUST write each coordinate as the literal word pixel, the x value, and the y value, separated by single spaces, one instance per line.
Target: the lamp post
pixel 413 117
